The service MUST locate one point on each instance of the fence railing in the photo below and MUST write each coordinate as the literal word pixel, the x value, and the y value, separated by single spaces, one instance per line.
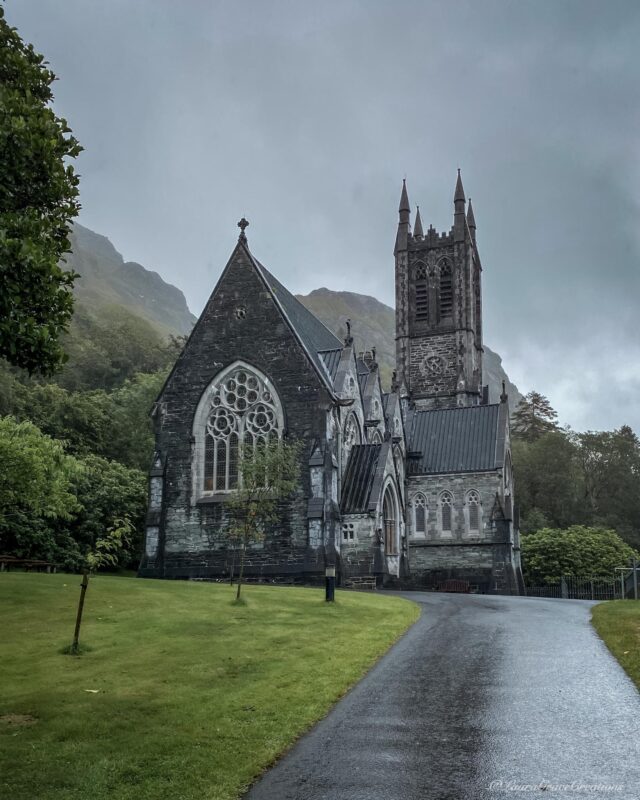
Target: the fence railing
pixel 589 587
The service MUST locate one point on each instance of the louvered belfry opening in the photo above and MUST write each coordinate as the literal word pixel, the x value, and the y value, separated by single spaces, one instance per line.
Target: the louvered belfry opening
pixel 422 294
pixel 446 291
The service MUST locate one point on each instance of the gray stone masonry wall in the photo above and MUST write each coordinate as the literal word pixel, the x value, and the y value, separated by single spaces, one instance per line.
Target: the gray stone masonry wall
pixel 484 559
pixel 192 534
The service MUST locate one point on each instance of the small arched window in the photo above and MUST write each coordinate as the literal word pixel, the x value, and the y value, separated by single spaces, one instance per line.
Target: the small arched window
pixel 239 410
pixel 445 293
pixel 422 294
pixel 376 437
pixel 390 522
pixel 446 512
pixel 420 515
pixel 473 507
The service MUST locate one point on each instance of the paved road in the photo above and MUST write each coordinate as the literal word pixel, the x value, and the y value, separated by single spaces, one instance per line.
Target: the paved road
pixel 482 698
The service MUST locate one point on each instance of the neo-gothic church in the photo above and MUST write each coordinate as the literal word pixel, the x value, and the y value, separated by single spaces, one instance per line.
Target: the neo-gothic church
pixel 412 487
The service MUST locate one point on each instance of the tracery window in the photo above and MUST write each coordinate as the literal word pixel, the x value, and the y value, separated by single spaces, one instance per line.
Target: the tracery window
pixel 389 517
pixel 473 507
pixel 420 514
pixel 446 512
pixel 241 409
pixel 422 294
pixel 350 436
pixel 446 291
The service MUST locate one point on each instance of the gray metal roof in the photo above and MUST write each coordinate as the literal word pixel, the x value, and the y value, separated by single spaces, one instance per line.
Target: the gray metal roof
pixel 456 439
pixel 359 478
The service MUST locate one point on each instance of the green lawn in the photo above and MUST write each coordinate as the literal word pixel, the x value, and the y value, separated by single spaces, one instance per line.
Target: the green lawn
pixel 618 623
pixel 195 695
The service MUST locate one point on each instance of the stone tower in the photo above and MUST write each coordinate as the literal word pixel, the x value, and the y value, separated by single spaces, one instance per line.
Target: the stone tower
pixel 439 309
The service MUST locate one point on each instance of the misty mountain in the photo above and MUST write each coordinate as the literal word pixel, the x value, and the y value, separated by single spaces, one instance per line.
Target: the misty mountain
pixel 373 325
pixel 107 280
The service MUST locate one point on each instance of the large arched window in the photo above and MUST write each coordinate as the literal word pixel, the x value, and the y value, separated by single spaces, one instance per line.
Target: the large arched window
pixel 473 511
pixel 420 513
pixel 445 291
pixel 390 522
pixel 446 512
pixel 239 409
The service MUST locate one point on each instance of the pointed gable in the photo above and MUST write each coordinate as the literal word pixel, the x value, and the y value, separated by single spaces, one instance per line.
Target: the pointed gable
pixel 316 341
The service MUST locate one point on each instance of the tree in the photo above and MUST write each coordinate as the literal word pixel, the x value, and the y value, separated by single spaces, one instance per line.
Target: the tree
pixel 550 553
pixel 104 551
pixel 267 475
pixel 533 417
pixel 548 480
pixel 38 199
pixel 36 490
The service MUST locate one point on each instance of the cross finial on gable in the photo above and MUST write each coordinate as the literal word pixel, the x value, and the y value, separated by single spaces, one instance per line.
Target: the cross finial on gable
pixel 242 225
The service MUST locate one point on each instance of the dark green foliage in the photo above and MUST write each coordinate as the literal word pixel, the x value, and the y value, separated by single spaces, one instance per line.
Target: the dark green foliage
pixel 38 199
pixel 548 481
pixel 551 553
pixel 57 507
pixel 592 479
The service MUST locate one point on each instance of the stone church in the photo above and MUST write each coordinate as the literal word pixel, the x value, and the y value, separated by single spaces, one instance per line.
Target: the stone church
pixel 412 486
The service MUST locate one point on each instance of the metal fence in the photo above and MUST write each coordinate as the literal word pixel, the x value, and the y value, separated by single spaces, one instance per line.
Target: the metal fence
pixel 590 587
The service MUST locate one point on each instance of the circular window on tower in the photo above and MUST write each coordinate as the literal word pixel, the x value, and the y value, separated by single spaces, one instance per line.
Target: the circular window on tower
pixel 241 312
pixel 435 365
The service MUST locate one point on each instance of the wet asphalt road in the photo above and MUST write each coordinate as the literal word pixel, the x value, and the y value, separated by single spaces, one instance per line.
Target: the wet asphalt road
pixel 485 698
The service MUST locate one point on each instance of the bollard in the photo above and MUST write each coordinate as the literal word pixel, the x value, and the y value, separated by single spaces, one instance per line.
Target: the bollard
pixel 329 584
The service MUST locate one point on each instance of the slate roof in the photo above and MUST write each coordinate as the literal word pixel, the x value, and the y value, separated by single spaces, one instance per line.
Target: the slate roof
pixel 314 335
pixel 359 478
pixel 331 360
pixel 464 439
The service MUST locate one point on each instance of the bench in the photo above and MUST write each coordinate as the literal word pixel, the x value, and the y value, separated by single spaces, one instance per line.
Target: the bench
pixel 28 564
pixel 454 585
pixel 360 583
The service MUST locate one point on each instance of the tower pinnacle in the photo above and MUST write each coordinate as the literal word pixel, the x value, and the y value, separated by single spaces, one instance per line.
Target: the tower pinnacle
pixel 417 228
pixel 404 222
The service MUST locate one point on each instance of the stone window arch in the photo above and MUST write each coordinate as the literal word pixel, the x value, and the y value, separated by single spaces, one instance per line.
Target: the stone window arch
pixel 376 437
pixel 390 521
pixel 350 435
pixel 420 514
pixel 445 513
pixel 474 511
pixel 238 410
pixel 445 290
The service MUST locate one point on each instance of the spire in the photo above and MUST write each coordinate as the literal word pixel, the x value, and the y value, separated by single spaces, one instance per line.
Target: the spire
pixel 458 214
pixel 404 199
pixel 459 195
pixel 471 221
pixel 417 228
pixel 402 236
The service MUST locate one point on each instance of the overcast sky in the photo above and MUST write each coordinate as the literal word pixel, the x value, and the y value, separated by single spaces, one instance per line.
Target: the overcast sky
pixel 305 116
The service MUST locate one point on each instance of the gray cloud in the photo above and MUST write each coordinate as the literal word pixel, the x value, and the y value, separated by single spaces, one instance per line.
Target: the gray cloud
pixel 305 117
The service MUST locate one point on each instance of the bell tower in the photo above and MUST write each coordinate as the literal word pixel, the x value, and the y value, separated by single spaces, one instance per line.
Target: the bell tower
pixel 439 308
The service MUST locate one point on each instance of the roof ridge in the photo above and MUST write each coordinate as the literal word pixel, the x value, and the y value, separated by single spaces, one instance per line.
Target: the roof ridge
pixel 292 296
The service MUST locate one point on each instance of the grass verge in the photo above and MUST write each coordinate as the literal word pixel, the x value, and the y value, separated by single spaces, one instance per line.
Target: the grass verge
pixel 618 624
pixel 182 694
